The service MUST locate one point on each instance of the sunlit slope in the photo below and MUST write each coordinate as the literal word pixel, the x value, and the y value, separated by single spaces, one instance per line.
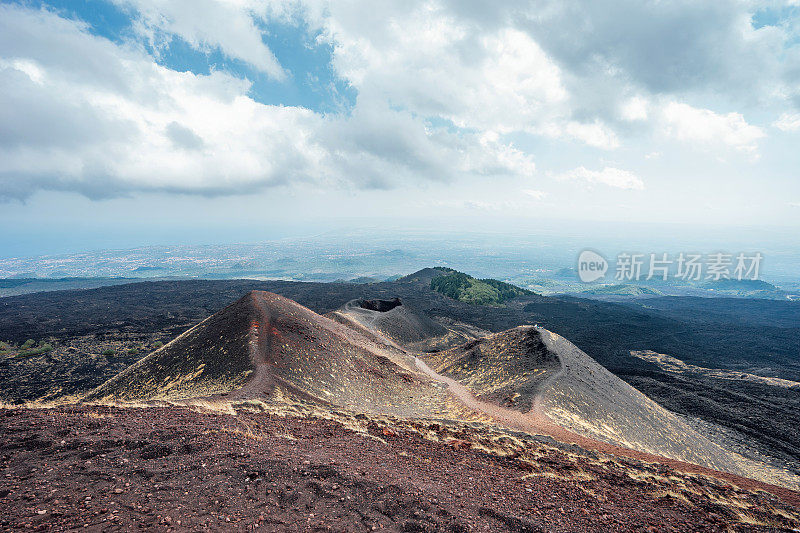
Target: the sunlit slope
pixel 538 372
pixel 588 399
pixel 265 345
pixel 507 368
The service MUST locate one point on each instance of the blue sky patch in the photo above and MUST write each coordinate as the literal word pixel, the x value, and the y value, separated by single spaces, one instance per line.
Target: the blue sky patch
pixel 311 83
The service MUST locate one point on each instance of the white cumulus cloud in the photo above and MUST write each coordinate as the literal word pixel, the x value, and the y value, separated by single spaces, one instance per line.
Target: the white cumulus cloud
pixel 788 122
pixel 81 113
pixel 442 89
pixel 422 57
pixel 692 124
pixel 208 24
pixel 634 109
pixel 610 176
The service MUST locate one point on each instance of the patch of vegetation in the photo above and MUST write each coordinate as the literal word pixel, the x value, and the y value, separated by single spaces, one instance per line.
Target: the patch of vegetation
pixel 133 351
pixel 624 290
pixel 30 343
pixel 43 348
pixel 465 288
pixel 6 348
pixel 157 345
pixel 108 352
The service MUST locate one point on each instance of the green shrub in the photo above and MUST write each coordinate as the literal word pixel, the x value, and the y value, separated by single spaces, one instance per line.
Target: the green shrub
pixel 133 351
pixel 107 352
pixel 507 291
pixel 465 288
pixel 158 344
pixel 41 349
pixel 30 343
pixel 479 293
pixel 451 285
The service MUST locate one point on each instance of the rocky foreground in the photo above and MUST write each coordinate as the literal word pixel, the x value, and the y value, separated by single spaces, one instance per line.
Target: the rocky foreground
pixel 175 468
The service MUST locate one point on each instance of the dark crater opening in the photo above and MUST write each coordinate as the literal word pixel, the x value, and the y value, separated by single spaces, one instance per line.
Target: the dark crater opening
pixel 380 305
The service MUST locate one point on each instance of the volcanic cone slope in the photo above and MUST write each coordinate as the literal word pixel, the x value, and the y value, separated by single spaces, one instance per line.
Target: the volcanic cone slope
pixel 210 358
pixel 538 373
pixel 399 324
pixel 507 368
pixel 265 345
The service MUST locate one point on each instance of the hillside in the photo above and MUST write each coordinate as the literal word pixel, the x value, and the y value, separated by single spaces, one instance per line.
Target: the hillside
pixel 362 365
pixel 548 379
pixel 265 346
pixel 623 290
pixel 465 288
pixel 759 337
pixel 398 324
pixel 169 468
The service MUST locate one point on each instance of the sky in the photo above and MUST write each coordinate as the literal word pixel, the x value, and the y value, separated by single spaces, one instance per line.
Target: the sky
pixel 134 122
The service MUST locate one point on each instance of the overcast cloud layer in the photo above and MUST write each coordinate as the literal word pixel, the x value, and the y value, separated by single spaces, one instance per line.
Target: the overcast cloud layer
pixel 445 91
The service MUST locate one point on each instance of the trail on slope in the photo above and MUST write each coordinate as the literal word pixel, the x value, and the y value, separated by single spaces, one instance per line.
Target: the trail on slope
pixel 537 423
pixel 532 422
pixel 259 345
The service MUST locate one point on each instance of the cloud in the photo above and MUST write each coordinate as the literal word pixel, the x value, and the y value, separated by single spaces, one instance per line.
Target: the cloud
pixel 536 195
pixel 571 70
pixel 594 134
pixel 442 89
pixel 612 177
pixel 634 109
pixel 133 125
pixel 230 27
pixel 422 57
pixel 183 137
pixel 433 60
pixel 691 124
pixel 788 122
pixel 660 47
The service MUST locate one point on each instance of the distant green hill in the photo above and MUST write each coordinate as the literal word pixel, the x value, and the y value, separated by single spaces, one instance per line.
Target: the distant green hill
pixel 746 288
pixel 465 288
pixel 624 290
pixel 741 285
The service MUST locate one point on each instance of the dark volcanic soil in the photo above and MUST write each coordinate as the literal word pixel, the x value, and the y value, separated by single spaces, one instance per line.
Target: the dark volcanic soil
pixel 173 468
pixel 757 336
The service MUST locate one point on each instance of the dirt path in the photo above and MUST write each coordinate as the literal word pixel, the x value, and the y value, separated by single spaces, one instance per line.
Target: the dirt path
pixel 531 422
pixel 259 345
pixel 537 423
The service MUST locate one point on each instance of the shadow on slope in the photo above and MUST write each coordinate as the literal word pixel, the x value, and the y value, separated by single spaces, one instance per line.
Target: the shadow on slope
pixel 396 323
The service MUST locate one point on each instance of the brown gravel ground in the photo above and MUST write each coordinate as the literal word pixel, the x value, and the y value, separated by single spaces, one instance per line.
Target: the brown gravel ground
pixel 173 468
